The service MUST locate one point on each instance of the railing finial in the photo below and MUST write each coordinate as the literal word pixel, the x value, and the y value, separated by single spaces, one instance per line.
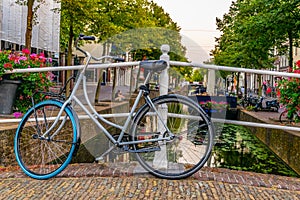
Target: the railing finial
pixel 165 48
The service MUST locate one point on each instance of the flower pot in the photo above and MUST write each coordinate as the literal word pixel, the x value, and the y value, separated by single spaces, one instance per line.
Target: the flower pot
pixel 8 90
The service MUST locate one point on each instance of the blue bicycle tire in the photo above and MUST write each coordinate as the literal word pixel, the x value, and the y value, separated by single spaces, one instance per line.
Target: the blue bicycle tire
pixel 33 151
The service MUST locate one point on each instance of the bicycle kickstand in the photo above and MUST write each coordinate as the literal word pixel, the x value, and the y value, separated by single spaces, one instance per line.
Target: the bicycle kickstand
pixel 101 158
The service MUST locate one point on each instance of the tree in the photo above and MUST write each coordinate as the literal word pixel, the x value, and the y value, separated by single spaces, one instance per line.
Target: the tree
pixel 107 19
pixel 76 17
pixel 198 75
pixel 253 29
pixel 32 7
pixel 283 17
pixel 127 26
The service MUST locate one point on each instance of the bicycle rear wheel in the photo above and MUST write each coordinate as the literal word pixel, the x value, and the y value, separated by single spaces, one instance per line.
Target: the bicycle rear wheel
pixel 188 151
pixel 43 156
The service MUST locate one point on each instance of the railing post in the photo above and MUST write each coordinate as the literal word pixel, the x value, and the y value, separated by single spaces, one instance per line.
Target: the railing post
pixel 211 82
pixel 160 158
pixel 164 76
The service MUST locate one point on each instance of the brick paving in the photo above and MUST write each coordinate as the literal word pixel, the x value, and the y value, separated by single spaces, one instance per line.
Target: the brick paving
pixel 124 181
pixel 128 181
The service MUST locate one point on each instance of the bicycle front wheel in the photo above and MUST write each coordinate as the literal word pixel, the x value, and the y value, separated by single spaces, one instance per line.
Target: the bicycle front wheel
pixel 188 151
pixel 43 155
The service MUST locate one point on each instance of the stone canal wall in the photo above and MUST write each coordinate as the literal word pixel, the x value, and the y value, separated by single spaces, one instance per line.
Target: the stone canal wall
pixel 7 156
pixel 285 144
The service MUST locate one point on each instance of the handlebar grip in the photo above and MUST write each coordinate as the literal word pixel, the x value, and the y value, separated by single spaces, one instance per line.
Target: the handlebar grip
pixel 84 37
pixel 88 38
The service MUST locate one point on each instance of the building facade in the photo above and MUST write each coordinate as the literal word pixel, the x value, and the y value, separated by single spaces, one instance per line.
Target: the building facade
pixel 45 33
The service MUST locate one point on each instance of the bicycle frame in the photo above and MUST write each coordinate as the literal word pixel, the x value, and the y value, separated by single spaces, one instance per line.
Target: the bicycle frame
pixel 95 116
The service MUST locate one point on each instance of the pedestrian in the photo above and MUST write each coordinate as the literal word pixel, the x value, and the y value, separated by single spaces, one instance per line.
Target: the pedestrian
pixel 119 96
pixel 264 88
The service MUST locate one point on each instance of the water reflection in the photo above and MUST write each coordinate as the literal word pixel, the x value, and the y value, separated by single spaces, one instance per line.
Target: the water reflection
pixel 238 149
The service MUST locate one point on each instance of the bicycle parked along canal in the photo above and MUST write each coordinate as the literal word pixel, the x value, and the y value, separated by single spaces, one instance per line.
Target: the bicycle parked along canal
pixel 285 118
pixel 171 135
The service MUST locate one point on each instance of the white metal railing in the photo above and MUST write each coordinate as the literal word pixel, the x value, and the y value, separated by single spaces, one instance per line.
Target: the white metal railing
pixel 235 69
pixel 77 67
pixel 172 63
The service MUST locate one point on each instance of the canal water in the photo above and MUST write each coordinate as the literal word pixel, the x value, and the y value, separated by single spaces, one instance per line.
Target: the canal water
pixel 238 149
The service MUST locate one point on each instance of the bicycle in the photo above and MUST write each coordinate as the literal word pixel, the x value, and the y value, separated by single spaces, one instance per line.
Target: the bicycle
pixel 284 118
pixel 170 135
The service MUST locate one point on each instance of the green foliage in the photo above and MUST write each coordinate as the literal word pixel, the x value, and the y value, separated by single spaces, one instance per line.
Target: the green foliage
pixel 175 123
pixel 289 94
pixel 30 82
pixel 3 60
pixel 253 29
pixel 146 41
pixel 250 108
pixel 198 75
pixel 139 27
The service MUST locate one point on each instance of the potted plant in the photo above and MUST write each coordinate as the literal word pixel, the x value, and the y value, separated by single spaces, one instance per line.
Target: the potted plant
pixel 29 83
pixel 214 105
pixel 288 92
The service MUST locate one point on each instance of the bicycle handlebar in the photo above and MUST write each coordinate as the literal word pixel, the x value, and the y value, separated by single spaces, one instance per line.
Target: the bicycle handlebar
pixel 87 54
pixel 84 37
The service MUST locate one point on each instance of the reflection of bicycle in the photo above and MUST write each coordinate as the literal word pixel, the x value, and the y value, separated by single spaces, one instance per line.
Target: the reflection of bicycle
pixel 171 135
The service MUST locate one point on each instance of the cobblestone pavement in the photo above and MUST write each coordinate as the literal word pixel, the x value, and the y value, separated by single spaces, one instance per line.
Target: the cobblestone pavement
pixel 124 181
pixel 128 181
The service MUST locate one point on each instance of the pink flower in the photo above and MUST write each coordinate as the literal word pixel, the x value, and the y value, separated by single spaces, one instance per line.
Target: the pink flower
pixel 298 63
pixel 42 59
pixel 24 58
pixel 33 56
pixel 297 71
pixel 26 51
pixel 17 114
pixel 50 76
pixel 7 66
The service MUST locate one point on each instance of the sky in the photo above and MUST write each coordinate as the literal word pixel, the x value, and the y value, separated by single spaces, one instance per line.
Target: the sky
pixel 197 20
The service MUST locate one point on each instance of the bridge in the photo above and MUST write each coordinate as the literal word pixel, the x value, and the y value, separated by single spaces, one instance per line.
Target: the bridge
pixel 269 132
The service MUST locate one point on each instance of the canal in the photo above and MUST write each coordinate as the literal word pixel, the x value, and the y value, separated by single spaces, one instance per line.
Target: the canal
pixel 237 148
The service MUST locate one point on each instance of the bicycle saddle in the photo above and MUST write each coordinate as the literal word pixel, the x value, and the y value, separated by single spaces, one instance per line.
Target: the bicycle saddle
pixel 154 65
